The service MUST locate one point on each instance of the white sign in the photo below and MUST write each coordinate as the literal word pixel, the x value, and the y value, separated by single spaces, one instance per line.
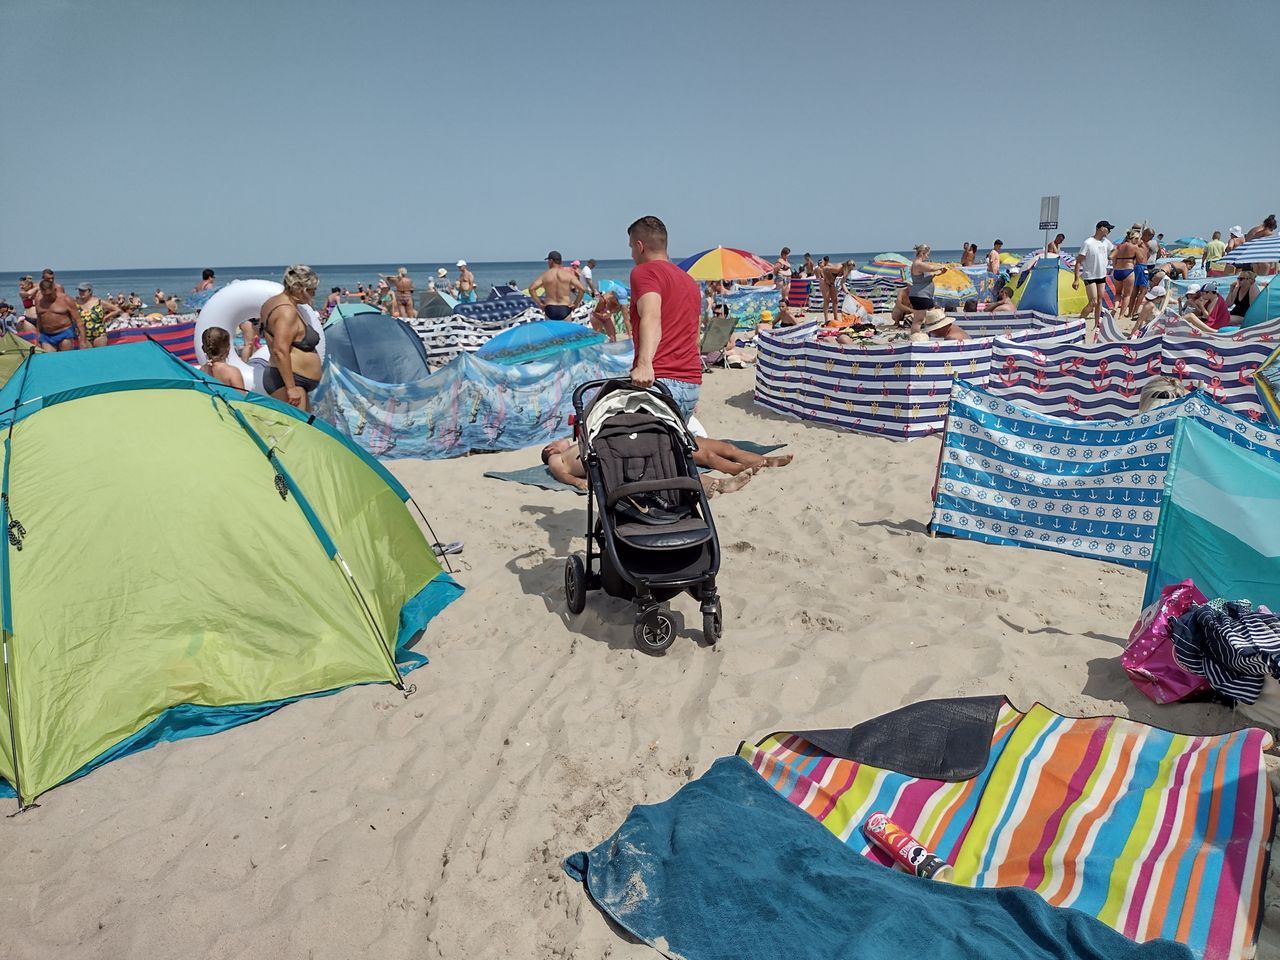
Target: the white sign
pixel 1049 213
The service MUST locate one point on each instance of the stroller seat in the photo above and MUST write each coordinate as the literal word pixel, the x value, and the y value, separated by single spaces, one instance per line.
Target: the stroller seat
pixel 688 532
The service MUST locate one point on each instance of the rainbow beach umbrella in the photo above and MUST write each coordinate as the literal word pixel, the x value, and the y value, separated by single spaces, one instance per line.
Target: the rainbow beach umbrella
pixel 725 263
pixel 891 265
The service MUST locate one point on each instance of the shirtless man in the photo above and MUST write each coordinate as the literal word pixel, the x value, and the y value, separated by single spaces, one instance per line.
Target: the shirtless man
pixel 207 281
pixel 564 460
pixel 466 283
pixel 557 284
pixel 831 277
pixel 57 318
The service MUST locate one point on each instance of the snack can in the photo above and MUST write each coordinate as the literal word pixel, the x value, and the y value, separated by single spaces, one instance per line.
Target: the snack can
pixel 905 849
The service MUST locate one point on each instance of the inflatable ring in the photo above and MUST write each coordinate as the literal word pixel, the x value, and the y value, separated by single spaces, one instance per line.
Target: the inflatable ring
pixel 242 300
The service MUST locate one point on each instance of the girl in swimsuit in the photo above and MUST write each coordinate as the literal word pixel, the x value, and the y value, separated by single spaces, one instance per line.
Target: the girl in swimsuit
pixel 216 343
pixel 1127 254
pixel 295 365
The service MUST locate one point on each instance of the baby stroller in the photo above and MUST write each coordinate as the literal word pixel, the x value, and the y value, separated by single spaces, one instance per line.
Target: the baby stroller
pixel 649 528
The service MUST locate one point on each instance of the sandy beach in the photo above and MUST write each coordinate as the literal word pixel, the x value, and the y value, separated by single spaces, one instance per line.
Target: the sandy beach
pixel 366 823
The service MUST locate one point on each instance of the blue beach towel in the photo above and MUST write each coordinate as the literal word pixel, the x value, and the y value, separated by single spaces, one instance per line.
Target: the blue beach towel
pixel 540 475
pixel 727 868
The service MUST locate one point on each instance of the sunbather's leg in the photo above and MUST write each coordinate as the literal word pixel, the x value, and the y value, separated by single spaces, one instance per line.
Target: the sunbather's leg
pixel 716 485
pixel 724 456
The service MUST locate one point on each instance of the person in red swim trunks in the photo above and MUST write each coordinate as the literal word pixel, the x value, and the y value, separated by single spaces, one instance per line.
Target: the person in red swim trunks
pixel 665 304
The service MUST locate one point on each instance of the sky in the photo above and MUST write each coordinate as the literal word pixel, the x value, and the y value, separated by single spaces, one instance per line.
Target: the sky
pixel 167 133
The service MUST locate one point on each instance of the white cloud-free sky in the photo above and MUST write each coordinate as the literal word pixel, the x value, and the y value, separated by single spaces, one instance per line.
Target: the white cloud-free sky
pixel 169 133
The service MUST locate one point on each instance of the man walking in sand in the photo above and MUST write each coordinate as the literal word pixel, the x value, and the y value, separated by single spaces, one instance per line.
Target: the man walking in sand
pixel 58 318
pixel 1093 261
pixel 665 303
pixel 553 288
pixel 589 278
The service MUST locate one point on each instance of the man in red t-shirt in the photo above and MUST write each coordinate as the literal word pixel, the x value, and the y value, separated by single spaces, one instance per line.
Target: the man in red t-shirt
pixel 665 306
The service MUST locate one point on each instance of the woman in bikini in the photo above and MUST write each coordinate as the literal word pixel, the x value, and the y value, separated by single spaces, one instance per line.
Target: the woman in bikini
pixel 295 366
pixel 602 315
pixel 1122 268
pixel 216 344
pixel 403 307
pixel 782 273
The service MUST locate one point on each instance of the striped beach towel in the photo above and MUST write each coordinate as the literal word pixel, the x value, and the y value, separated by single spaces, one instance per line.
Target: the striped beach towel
pixel 1154 833
pixel 177 338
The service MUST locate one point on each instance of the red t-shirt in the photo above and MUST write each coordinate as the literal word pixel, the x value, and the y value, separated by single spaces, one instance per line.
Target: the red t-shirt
pixel 677 356
pixel 1220 316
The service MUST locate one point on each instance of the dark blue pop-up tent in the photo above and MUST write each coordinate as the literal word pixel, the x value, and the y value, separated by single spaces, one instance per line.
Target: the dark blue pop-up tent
pixel 377 347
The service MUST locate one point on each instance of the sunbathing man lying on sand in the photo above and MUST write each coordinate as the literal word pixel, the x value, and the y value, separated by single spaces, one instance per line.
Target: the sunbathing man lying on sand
pixel 564 460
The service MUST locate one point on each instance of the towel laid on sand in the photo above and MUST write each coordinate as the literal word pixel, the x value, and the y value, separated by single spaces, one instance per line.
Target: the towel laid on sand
pixel 540 476
pixel 728 868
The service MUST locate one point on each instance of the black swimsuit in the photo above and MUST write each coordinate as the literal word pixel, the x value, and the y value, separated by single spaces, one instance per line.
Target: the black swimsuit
pixel 1239 309
pixel 272 380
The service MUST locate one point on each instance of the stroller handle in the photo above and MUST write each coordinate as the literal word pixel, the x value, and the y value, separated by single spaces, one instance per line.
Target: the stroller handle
pixel 580 391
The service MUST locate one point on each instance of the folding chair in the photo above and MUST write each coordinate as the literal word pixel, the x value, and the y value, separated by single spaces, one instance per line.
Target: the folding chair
pixel 715 334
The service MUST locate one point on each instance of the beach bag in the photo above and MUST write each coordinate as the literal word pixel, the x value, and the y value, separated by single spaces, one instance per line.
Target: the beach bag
pixel 1148 657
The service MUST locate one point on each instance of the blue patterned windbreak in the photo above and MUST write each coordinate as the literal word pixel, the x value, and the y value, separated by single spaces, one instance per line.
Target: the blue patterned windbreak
pixel 1089 488
pixel 469 405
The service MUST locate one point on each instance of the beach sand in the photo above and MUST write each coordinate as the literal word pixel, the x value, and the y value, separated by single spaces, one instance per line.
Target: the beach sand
pixel 367 824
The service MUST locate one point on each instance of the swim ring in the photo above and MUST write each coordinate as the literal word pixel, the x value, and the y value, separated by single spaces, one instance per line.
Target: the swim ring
pixel 242 300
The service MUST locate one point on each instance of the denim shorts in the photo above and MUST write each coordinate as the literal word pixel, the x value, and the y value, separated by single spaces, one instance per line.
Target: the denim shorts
pixel 685 395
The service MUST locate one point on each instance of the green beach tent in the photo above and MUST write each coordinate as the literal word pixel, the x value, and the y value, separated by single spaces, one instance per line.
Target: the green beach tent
pixel 183 557
pixel 13 350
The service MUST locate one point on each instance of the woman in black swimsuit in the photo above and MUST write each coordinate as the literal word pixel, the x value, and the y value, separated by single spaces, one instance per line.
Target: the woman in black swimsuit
pixel 295 365
pixel 1242 294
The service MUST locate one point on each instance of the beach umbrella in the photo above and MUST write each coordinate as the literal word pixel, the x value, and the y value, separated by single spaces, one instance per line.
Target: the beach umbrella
pixel 725 263
pixel 1262 250
pixel 537 340
pixel 620 290
pixel 891 265
pixel 1190 242
pixel 1187 252
pixel 1046 288
pixel 953 285
pixel 1009 259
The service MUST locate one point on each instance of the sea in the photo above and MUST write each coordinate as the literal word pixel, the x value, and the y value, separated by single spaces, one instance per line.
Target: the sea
pixel 144 281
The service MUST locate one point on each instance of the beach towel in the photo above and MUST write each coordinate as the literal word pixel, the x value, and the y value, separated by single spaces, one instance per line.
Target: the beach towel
pixel 728 869
pixel 1154 833
pixel 540 475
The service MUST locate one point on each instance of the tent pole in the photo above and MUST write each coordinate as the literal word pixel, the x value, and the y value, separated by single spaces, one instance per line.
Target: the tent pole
pixel 317 528
pixel 8 705
pixel 435 541
pixel 6 627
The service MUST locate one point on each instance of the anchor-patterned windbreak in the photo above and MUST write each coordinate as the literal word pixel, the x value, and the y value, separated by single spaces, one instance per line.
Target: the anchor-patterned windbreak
pixel 1090 488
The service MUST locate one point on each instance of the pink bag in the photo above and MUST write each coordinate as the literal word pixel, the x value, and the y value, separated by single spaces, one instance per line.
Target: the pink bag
pixel 1148 658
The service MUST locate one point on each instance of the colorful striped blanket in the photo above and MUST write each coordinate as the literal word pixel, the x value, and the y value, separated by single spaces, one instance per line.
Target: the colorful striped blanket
pixel 1154 833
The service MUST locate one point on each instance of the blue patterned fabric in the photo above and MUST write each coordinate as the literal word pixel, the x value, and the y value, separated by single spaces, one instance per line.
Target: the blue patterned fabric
pixel 468 405
pixel 1093 489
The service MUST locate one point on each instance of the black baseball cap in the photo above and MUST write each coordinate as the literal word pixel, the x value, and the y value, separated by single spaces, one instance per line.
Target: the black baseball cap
pixel 553 256
pixel 1104 223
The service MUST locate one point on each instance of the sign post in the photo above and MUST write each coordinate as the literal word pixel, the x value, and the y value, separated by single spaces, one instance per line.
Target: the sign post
pixel 1048 216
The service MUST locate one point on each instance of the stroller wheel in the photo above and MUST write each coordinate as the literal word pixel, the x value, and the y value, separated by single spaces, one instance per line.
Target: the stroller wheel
pixel 575 585
pixel 712 624
pixel 654 631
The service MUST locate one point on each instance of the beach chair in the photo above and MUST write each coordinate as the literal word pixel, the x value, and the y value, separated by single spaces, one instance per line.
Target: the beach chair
pixel 715 334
